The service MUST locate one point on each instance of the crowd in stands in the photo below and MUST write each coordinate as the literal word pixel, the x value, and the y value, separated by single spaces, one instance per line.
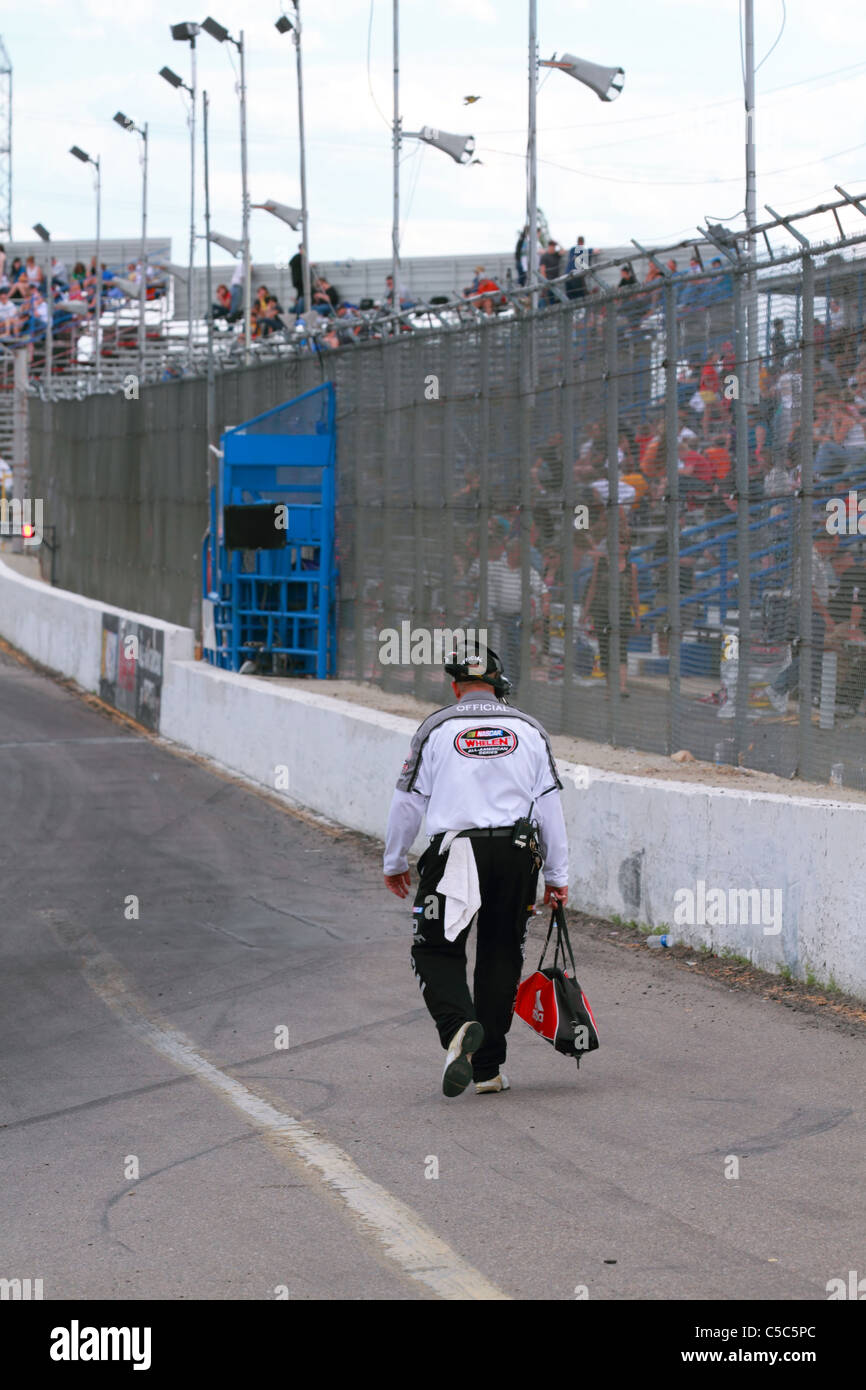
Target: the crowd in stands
pixel 25 296
pixel 341 320
pixel 706 448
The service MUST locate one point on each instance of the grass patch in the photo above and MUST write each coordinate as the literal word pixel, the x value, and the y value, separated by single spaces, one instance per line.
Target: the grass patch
pixel 728 954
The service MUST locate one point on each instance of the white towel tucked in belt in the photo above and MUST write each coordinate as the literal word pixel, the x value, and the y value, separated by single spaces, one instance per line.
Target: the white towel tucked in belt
pixel 459 884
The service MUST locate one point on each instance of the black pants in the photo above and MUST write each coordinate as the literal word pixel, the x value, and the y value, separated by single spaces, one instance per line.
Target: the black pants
pixel 507 878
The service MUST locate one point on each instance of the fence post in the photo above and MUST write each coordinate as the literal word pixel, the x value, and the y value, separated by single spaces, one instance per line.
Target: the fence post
pixel 483 512
pixel 390 369
pixel 358 363
pixel 20 448
pixel 744 577
pixel 448 481
pixel 524 512
pixel 807 402
pixel 613 582
pixel 567 531
pixel 419 405
pixel 673 508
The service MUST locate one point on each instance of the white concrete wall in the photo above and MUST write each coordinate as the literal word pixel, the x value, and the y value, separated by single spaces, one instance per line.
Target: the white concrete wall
pixel 635 842
pixel 63 630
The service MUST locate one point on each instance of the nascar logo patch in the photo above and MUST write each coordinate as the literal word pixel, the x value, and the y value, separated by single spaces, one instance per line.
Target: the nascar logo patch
pixel 485 742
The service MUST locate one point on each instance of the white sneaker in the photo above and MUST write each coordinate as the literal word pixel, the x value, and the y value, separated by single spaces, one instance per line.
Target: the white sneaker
pixel 458 1059
pixel 496 1083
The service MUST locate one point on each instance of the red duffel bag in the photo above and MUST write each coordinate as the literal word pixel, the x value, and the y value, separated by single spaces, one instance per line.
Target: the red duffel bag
pixel 552 1002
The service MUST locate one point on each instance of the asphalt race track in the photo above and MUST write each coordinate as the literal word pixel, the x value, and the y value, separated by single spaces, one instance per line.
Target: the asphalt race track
pixel 158 1142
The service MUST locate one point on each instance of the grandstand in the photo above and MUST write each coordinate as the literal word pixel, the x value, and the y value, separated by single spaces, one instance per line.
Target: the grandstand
pixel 549 448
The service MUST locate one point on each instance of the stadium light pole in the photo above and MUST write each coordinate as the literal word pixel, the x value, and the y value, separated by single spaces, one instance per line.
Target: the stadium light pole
pixel 751 205
pixel 601 80
pixel 210 408
pixel 126 123
pixel 459 147
pixel 186 32
pixel 284 25
pixel 220 33
pixel 85 158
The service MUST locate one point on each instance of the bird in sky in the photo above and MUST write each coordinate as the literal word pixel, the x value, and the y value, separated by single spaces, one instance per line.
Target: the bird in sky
pixel 467 101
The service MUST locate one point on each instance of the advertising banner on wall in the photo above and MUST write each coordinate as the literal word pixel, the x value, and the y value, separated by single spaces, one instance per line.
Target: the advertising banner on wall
pixel 131 667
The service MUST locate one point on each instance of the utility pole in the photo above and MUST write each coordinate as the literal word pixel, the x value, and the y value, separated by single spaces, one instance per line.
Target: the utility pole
pixel 211 385
pixel 532 249
pixel 189 291
pixel 98 304
pixel 248 269
pixel 142 288
pixel 395 230
pixel 751 206
pixel 305 234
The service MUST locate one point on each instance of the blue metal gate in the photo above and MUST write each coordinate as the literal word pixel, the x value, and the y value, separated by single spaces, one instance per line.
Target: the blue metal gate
pixel 269 577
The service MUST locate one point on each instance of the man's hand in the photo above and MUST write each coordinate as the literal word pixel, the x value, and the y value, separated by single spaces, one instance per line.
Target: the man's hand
pixel 553 893
pixel 398 884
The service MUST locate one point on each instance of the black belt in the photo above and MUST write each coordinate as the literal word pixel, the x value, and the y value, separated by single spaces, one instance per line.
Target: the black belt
pixel 477 834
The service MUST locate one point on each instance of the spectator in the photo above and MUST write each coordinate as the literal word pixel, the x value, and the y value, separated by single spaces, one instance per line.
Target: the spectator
pixel 325 298
pixel 405 301
pixel 33 272
pixel 598 609
pixel 236 293
pixel 491 294
pixel 473 288
pixel 840 438
pixel 778 345
pixel 505 603
pixel 521 256
pixel 9 325
pixel 824 586
pixel 579 258
pixel 296 268
pixel 550 268
pixel 662 595
pixel 550 262
pixel 268 319
pixel 696 474
pixel 719 289
pixel 222 307
pixel 350 325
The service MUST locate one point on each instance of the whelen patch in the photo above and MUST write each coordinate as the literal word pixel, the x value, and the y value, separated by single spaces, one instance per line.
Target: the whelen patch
pixel 485 742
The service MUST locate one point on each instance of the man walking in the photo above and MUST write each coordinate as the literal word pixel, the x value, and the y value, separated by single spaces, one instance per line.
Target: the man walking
pixel 484 774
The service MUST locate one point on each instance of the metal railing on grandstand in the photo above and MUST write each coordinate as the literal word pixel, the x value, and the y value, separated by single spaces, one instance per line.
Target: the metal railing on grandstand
pixel 492 458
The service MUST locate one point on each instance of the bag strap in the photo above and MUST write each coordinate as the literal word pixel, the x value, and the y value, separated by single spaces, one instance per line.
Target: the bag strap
pixel 547 941
pixel 563 942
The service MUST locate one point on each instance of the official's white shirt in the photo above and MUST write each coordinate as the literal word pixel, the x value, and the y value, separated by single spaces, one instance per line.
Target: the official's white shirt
pixel 478 764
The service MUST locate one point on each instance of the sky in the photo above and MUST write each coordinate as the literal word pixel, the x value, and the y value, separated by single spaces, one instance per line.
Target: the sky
pixel 652 165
